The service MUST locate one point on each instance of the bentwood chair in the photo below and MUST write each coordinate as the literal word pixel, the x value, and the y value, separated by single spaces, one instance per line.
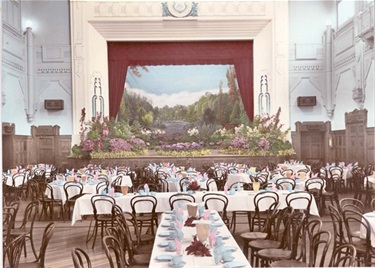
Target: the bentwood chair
pixel 275 235
pixel 103 207
pixel 12 252
pixel 356 220
pixel 144 209
pixel 344 256
pixel 114 252
pixel 80 258
pixel 40 261
pixel 318 247
pixel 27 225
pixel 73 191
pixel 180 197
pixel 288 248
pixel 218 202
pixel 263 233
pixel 49 202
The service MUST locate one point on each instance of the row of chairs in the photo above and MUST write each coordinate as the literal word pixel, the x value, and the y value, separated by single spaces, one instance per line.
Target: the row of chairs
pixel 287 238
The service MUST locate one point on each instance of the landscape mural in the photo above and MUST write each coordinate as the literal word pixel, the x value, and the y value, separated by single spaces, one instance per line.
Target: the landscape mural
pixel 181 103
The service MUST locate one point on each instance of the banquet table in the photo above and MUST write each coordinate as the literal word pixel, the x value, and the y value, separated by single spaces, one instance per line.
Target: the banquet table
pixel 293 166
pixel 237 177
pixel 174 185
pixel 160 253
pixel 88 187
pixel 371 180
pixel 240 201
pixel 370 216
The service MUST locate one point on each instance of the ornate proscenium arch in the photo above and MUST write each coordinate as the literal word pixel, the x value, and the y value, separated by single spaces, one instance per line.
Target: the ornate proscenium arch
pixel 121 55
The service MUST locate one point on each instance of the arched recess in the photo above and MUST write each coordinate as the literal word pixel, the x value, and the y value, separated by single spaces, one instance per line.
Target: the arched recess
pixel 121 55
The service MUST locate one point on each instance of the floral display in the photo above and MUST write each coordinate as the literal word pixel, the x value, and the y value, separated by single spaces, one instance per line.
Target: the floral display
pixel 197 248
pixel 104 138
pixel 264 137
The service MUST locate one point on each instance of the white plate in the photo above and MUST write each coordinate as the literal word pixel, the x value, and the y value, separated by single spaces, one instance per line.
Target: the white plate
pixel 164 234
pixel 216 224
pixel 163 244
pixel 164 257
pixel 165 224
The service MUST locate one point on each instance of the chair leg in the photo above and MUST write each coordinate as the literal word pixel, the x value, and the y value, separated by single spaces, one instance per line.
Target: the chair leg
pixel 32 244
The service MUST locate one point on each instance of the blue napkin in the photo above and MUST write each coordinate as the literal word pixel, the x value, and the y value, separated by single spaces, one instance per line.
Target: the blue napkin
pixel 201 211
pixel 234 264
pixel 227 255
pixel 218 254
pixel 176 261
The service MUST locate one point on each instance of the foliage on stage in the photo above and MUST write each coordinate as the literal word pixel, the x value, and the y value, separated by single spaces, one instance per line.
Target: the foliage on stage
pixel 265 136
pixel 104 138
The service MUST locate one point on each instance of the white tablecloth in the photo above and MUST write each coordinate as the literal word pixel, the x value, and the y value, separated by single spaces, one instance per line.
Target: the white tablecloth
pixel 240 201
pixel 239 177
pixel 88 187
pixel 371 218
pixel 191 260
pixel 174 185
pixel 294 167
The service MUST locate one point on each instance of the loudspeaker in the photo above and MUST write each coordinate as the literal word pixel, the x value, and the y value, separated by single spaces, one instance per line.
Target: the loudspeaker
pixel 54 104
pixel 306 101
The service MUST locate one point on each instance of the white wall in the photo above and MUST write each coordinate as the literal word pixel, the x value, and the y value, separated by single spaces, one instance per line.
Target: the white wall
pixel 49 21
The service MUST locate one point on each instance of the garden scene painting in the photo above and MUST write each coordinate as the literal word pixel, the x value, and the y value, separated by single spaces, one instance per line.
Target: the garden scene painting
pixel 187 110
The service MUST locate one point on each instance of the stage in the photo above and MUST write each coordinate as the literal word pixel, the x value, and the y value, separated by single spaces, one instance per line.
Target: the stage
pixel 197 162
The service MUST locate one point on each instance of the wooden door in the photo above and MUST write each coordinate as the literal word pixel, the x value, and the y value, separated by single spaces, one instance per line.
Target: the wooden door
pixel 355 145
pixel 312 146
pixel 46 149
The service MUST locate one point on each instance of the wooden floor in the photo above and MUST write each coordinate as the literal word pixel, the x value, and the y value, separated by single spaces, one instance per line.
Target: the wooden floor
pixel 67 237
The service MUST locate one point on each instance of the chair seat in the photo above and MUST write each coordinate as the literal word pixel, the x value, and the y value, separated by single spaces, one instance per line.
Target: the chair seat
pixel 18 231
pixel 29 265
pixel 250 236
pixel 74 198
pixel 266 243
pixel 142 259
pixel 288 263
pixel 274 254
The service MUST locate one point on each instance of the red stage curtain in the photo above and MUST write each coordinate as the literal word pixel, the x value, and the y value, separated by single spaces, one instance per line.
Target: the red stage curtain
pixel 121 55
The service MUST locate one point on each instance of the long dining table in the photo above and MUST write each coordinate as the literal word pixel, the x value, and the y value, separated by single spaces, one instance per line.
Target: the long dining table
pixel 239 201
pixel 161 256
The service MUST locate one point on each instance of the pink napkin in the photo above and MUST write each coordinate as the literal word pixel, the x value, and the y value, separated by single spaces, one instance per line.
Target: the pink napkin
pixel 178 246
pixel 206 214
pixel 178 224
pixel 179 210
pixel 205 175
pixel 225 189
pixel 314 175
pixel 211 238
pixel 293 176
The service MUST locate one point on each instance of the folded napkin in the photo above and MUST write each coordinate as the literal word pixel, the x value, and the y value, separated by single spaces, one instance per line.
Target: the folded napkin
pixel 176 261
pixel 178 246
pixel 226 255
pixel 234 264
pixel 212 237
pixel 206 214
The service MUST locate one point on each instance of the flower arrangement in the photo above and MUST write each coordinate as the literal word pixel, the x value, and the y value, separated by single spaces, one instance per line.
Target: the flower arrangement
pixel 104 138
pixel 197 248
pixel 264 137
pixel 193 185
pixel 182 149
